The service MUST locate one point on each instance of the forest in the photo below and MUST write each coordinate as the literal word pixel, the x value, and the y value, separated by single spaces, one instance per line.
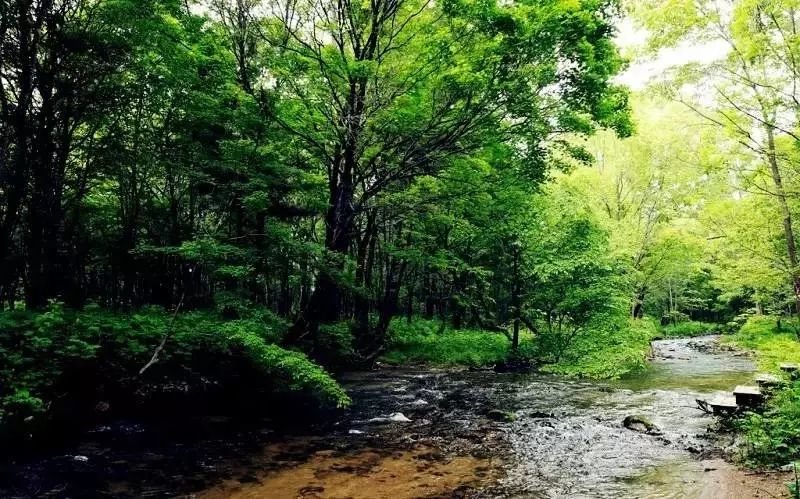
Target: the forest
pixel 228 207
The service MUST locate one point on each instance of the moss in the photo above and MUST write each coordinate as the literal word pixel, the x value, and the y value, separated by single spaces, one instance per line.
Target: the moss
pixel 502 416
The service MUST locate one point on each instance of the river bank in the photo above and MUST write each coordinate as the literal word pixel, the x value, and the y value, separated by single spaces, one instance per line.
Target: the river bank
pixel 442 433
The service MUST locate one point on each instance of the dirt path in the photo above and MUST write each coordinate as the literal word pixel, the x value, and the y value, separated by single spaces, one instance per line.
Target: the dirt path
pixel 725 481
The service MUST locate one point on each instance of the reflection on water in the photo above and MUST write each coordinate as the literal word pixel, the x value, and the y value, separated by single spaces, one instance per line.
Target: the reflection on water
pixel 692 364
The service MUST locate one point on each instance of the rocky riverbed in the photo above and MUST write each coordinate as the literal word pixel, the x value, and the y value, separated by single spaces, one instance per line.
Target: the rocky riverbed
pixel 436 433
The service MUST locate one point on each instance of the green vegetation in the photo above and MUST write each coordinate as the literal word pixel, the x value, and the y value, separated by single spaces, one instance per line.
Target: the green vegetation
pixel 610 351
pixel 772 437
pixel 773 339
pixel 61 360
pixel 434 343
pixel 226 188
pixel 243 198
pixel 603 354
pixel 691 328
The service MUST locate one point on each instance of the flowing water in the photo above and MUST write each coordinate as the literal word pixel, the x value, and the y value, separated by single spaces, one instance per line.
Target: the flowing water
pixel 567 440
pixel 583 450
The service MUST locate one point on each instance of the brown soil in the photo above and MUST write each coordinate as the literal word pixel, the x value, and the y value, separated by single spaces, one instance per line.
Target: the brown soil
pixel 724 481
pixel 421 472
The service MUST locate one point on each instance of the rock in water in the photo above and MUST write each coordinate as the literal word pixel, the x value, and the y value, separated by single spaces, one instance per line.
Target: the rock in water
pixel 398 417
pixel 502 416
pixel 641 424
pixel 395 417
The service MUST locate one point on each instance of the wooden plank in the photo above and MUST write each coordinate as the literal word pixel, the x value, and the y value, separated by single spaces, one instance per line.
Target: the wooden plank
pixel 767 380
pixel 723 405
pixel 746 390
pixel 748 396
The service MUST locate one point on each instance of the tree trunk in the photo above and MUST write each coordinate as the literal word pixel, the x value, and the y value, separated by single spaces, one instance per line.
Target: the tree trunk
pixel 791 247
pixel 325 303
pixel 515 299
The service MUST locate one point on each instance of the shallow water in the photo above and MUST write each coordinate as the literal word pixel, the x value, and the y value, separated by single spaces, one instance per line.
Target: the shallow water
pixel 567 441
pixel 584 451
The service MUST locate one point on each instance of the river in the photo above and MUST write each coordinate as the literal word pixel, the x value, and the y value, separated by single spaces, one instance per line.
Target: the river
pixel 566 440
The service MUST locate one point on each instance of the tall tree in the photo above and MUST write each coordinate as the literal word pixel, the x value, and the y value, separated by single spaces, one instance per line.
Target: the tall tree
pixel 755 86
pixel 384 92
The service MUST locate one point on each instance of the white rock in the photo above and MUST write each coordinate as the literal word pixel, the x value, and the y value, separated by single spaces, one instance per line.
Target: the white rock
pixel 355 432
pixel 395 417
pixel 81 459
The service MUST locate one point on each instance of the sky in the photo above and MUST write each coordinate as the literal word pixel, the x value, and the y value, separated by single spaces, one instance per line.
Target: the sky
pixel 645 68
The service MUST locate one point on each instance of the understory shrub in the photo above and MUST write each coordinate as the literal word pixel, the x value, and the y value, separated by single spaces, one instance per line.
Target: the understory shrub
pixel 61 356
pixel 606 351
pixel 773 437
pixel 688 329
pixel 426 341
pixel 609 351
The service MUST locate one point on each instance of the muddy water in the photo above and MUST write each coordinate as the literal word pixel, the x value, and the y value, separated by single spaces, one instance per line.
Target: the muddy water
pixel 567 441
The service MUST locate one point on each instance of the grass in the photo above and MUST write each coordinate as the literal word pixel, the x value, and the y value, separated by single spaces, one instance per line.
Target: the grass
pixel 689 329
pixel 423 341
pixel 772 344
pixel 609 351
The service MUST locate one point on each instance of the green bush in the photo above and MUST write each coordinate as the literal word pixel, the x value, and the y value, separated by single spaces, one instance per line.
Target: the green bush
pixel 773 438
pixel 295 368
pixel 335 344
pixel 425 341
pixel 605 351
pixel 609 351
pixel 689 329
pixel 50 355
pixel 773 341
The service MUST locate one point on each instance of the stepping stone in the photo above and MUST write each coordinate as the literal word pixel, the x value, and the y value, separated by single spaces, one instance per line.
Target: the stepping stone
pixel 788 367
pixel 766 380
pixel 748 396
pixel 723 405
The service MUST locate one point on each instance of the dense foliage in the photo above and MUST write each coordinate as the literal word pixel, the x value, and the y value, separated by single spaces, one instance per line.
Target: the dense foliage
pixel 60 361
pixel 225 200
pixel 202 193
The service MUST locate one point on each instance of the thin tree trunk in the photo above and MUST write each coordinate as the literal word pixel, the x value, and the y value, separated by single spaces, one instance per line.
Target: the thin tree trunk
pixel 791 247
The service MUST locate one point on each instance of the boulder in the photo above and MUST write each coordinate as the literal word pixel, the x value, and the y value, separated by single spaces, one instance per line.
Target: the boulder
pixel 395 417
pixel 641 424
pixel 501 416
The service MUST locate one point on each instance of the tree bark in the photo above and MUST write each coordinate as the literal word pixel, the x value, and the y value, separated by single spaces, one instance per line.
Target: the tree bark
pixel 791 247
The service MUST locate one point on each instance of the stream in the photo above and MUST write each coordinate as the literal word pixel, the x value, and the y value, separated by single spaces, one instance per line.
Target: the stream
pixel 567 440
